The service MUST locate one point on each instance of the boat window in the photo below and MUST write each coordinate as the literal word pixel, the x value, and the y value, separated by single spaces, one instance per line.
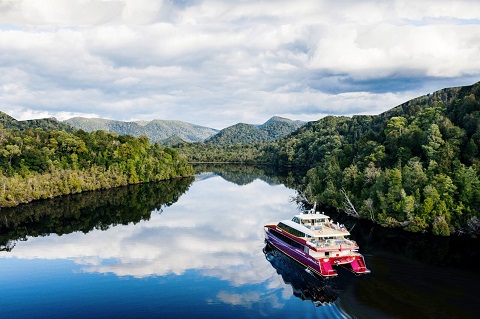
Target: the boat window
pixel 296 220
pixel 287 240
pixel 291 230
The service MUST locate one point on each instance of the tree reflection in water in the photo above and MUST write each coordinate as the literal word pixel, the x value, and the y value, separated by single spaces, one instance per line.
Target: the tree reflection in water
pixel 87 211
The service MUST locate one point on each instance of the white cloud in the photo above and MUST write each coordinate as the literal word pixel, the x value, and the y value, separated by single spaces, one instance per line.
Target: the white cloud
pixel 462 9
pixel 59 12
pixel 216 63
pixel 387 50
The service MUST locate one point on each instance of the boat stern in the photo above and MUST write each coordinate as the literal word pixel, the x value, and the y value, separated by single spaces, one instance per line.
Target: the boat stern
pixel 326 268
pixel 358 266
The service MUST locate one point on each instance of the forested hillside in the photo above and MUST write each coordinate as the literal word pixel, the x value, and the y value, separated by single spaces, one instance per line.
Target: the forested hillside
pixel 46 124
pixel 274 128
pixel 159 131
pixel 36 163
pixel 415 166
pixel 277 127
pixel 239 133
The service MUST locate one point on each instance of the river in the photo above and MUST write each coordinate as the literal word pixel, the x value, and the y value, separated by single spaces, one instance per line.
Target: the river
pixel 194 248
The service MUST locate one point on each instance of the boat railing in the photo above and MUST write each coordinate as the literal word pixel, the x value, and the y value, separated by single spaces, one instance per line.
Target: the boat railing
pixel 335 244
pixel 336 226
pixel 322 226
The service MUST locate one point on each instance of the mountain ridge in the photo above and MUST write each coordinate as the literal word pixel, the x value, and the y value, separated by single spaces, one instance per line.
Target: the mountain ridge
pixel 156 130
pixel 272 129
pixel 50 123
pixel 166 132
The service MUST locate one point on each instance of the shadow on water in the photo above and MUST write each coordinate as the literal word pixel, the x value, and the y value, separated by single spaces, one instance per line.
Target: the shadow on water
pixel 307 285
pixel 87 211
pixel 458 251
pixel 413 275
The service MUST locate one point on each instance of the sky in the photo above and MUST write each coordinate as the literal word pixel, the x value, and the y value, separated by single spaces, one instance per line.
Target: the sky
pixel 218 63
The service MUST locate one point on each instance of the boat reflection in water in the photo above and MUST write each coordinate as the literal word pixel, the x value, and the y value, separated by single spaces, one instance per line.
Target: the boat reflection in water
pixel 307 285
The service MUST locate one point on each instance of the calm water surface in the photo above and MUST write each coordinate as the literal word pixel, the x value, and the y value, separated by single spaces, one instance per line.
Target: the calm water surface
pixel 195 248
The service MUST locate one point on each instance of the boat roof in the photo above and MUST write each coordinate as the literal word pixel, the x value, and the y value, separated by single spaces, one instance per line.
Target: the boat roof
pixel 312 216
pixel 327 232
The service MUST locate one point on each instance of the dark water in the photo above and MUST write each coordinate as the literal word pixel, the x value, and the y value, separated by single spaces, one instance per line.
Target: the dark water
pixel 195 248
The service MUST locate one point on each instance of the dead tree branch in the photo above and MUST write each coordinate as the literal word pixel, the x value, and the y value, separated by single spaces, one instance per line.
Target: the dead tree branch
pixel 349 208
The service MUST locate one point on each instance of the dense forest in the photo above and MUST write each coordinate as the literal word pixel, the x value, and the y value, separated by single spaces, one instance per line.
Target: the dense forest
pixel 39 164
pixel 239 143
pixel 415 166
pixel 46 124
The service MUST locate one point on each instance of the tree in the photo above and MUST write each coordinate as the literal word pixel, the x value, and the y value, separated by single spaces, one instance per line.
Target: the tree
pixel 414 176
pixel 440 226
pixel 434 143
pixel 395 127
pixel 470 152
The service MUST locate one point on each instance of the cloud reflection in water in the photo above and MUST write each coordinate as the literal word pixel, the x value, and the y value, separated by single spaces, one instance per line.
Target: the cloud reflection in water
pixel 215 229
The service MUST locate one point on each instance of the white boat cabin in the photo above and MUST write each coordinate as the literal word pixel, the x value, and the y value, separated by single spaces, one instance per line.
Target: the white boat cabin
pixel 319 231
pixel 320 225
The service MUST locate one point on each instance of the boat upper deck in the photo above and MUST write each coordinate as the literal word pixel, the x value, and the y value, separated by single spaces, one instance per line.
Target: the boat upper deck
pixel 321 225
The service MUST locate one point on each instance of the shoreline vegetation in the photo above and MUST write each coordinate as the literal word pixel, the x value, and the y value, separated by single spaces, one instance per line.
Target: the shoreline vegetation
pixel 40 164
pixel 88 211
pixel 415 166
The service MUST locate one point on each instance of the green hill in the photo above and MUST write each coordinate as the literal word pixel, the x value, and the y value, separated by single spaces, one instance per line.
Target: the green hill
pixel 7 121
pixel 40 164
pixel 171 141
pixel 415 166
pixel 156 130
pixel 239 133
pixel 277 126
pixel 46 124
pixel 274 128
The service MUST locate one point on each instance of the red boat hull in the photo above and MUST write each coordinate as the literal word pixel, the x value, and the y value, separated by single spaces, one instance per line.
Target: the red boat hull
pixel 323 266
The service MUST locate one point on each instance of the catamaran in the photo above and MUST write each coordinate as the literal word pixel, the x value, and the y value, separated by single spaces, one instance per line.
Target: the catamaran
pixel 316 242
